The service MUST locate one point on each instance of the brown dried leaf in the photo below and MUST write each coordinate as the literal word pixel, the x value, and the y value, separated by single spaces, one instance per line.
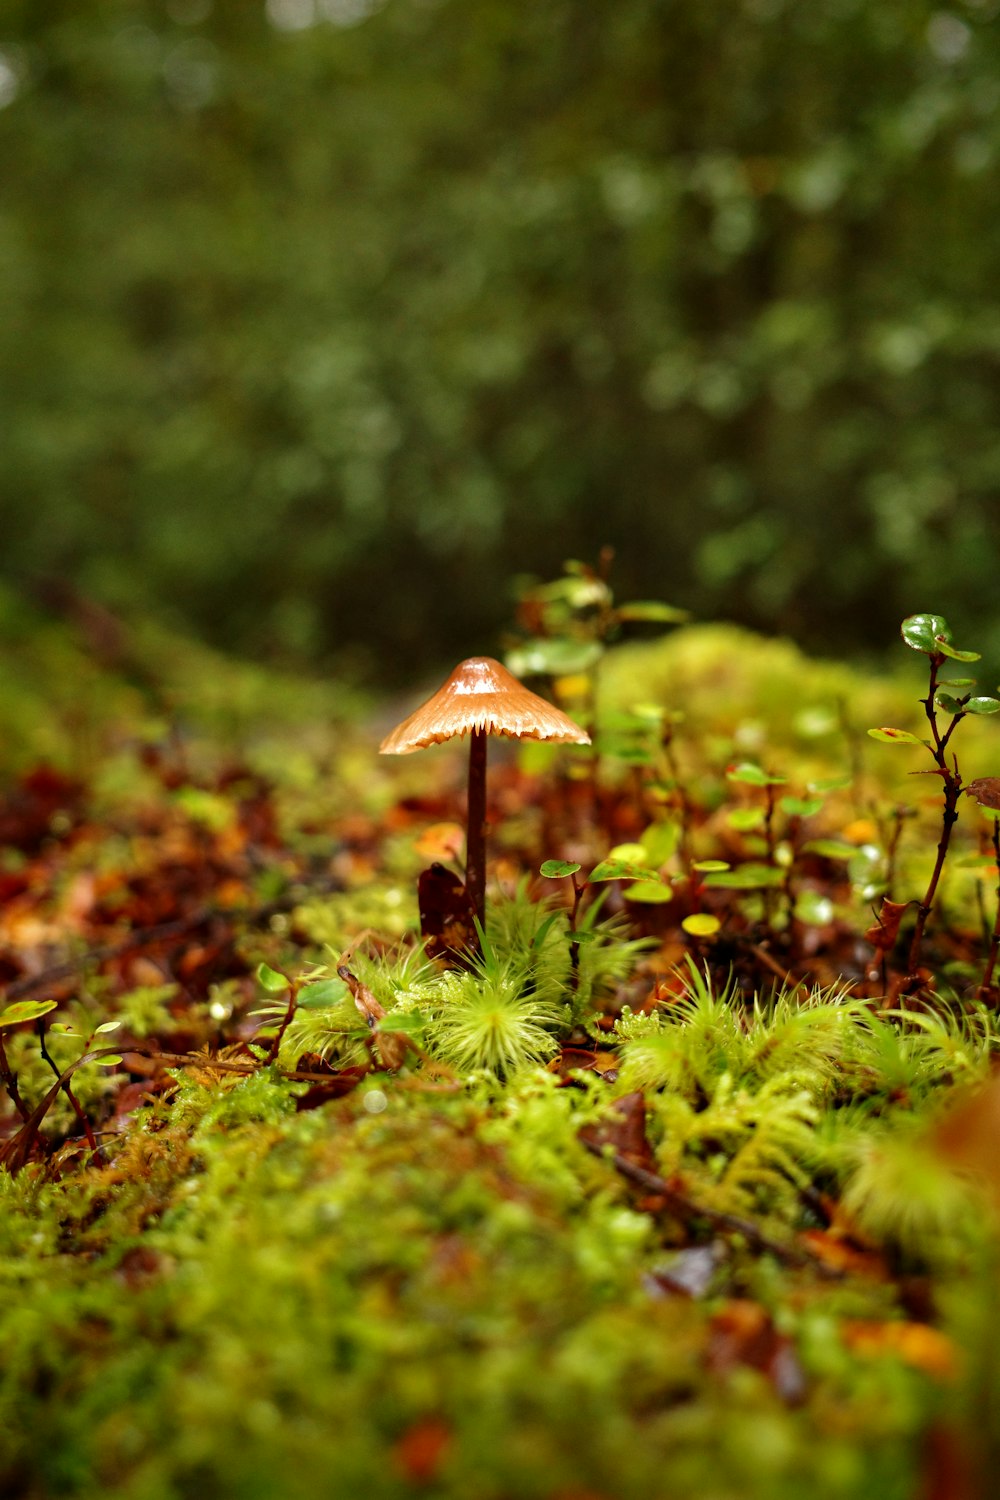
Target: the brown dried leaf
pixel 884 933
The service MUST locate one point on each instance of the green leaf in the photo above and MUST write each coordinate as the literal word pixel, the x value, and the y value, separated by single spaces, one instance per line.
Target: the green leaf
pixel 830 848
pixel 748 877
pixel 650 892
pixel 634 853
pixel 948 650
pixel 959 682
pixel 110 1062
pixel 321 993
pixel 659 841
pixel 557 869
pixel 925 632
pixel 544 928
pixel 652 609
pixel 584 936
pixel 813 908
pixel 745 819
pixel 710 866
pixel 830 783
pixel 895 736
pixel 25 1010
pixel 750 775
pixel 620 869
pixel 553 658
pixel 701 924
pixel 950 704
pixel 800 807
pixel 983 706
pixel 409 1022
pixel 270 980
pixel 106 1026
pixel 631 754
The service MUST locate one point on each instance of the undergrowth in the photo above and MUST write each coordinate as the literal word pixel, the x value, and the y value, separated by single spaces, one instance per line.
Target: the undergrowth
pixel 637 1194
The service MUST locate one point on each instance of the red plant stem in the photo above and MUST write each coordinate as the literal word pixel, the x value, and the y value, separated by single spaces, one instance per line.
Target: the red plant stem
pixel 64 1085
pixel 991 960
pixel 949 817
pixel 574 947
pixel 475 860
pixel 293 996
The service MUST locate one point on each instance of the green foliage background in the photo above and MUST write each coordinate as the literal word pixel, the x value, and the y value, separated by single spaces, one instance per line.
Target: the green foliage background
pixel 322 318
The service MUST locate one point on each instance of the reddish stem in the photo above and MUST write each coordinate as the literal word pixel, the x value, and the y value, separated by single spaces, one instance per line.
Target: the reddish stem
pixel 475 860
pixel 949 817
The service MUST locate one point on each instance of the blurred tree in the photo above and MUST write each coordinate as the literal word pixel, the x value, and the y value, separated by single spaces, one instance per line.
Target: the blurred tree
pixel 322 318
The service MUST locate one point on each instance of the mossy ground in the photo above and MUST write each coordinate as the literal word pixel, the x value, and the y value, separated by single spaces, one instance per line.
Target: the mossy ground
pixel 441 1280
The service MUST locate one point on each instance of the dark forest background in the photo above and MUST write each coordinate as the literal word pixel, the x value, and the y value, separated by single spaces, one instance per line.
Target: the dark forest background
pixel 323 320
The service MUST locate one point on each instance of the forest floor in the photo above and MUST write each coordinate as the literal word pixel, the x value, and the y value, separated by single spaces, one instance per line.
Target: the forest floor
pixel 685 1185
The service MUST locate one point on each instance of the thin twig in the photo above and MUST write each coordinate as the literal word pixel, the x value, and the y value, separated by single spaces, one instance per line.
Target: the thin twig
pixel 686 1208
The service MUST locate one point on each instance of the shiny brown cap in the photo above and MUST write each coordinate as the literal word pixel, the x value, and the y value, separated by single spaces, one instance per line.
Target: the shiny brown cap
pixel 482 694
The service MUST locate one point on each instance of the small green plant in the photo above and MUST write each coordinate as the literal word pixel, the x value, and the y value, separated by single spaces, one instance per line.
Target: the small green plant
pixel 566 627
pixel 491 1018
pixel 944 711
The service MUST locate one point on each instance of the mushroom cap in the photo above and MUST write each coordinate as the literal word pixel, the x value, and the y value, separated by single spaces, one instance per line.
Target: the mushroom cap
pixel 482 694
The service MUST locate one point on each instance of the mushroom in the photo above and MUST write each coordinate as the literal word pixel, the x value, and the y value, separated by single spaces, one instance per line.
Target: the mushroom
pixel 480 698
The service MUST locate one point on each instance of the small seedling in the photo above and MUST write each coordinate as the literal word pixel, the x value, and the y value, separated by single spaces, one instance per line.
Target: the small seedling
pixel 944 711
pixel 568 625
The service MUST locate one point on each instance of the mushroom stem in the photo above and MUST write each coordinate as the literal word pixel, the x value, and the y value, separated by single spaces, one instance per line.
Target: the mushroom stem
pixel 475 858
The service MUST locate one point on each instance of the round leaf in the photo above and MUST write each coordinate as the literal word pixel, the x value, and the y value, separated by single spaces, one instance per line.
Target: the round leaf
pixel 556 869
pixel 710 866
pixel 620 869
pixel 652 609
pixel 950 704
pixel 701 924
pixel 895 736
pixel 553 658
pixel 25 1010
pixel 650 892
pixel 321 993
pixel 830 783
pixel 924 632
pixel 800 807
pixel 748 877
pixel 983 706
pixel 750 775
pixel 829 848
pixel 659 841
pixel 745 819
pixel 634 854
pixel 106 1026
pixel 270 980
